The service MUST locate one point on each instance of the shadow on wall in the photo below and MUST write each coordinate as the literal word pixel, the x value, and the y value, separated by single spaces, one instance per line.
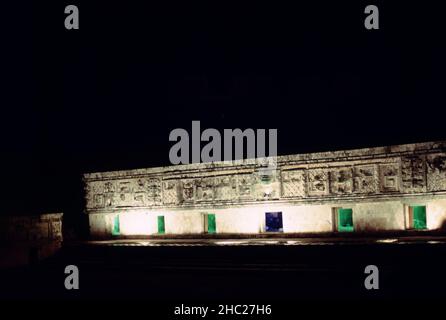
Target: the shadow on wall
pixel 442 228
pixel 29 239
pixel 76 228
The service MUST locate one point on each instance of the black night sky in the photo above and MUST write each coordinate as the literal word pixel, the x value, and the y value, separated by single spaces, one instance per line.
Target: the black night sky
pixel 106 96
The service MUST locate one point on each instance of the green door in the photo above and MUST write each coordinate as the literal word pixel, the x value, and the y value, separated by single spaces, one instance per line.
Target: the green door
pixel 419 217
pixel 212 226
pixel 116 230
pixel 161 227
pixel 345 220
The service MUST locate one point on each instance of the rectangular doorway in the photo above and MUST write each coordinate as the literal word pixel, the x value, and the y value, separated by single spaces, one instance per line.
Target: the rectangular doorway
pixel 210 225
pixel 345 220
pixel 161 225
pixel 417 217
pixel 273 222
pixel 116 228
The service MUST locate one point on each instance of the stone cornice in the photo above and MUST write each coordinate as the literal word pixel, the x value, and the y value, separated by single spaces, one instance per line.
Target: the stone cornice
pixel 307 158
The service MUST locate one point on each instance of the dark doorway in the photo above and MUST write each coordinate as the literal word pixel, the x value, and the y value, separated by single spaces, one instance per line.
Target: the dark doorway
pixel 417 217
pixel 161 225
pixel 116 226
pixel 345 220
pixel 210 224
pixel 273 222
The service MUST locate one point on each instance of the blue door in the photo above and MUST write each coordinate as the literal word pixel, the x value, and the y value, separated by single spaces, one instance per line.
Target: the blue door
pixel 273 222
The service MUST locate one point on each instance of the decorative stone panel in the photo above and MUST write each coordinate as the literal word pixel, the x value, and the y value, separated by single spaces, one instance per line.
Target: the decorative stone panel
pixel 170 192
pixel 365 179
pixel 436 172
pixel 341 181
pixel 413 174
pixel 417 168
pixel 318 182
pixel 245 183
pixel 225 188
pixel 205 189
pixel 293 183
pixel 389 177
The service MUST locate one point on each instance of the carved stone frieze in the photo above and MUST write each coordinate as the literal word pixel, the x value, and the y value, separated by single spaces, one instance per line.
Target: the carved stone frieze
pixel 389 177
pixel 358 174
pixel 436 172
pixel 365 179
pixel 318 182
pixel 341 181
pixel 413 174
pixel 293 183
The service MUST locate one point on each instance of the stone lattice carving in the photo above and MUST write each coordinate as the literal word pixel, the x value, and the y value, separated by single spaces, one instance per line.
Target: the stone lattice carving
pixel 413 174
pixel 293 183
pixel 436 172
pixel 389 177
pixel 170 192
pixel 365 179
pixel 341 181
pixel 317 182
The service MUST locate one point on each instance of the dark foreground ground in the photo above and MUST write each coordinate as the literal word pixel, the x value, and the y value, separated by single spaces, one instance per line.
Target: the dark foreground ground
pixel 239 270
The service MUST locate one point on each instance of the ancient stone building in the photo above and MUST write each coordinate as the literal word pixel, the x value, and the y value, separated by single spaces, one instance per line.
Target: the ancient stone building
pixel 384 189
pixel 28 239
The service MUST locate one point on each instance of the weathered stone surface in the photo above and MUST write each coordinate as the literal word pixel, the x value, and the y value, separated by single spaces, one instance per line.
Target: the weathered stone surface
pixel 436 172
pixel 366 179
pixel 30 228
pixel 341 180
pixel 389 177
pixel 384 171
pixel 293 183
pixel 27 239
pixel 318 182
pixel 413 173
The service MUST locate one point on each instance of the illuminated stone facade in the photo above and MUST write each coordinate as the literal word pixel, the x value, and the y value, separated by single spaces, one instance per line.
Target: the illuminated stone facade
pixel 392 188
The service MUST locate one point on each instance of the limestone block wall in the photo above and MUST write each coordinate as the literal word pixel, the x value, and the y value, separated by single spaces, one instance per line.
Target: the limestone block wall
pixel 436 214
pixel 381 216
pixel 28 239
pixel 98 225
pixel 378 184
pixel 374 216
pixel 45 227
pixel 238 220
pixel 307 218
